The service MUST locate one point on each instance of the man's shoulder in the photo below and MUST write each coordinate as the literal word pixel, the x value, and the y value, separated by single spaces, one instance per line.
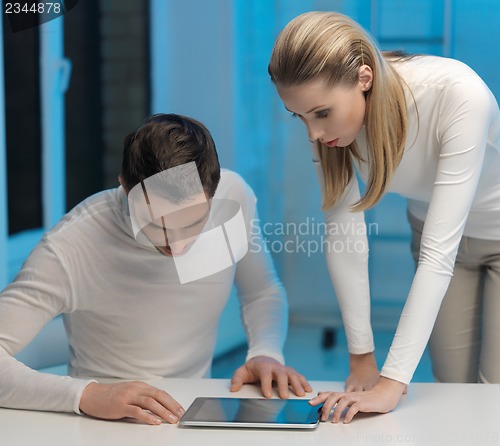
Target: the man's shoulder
pixel 232 185
pixel 231 177
pixel 97 207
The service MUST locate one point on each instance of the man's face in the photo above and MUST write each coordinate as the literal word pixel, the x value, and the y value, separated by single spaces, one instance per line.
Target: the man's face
pixel 174 233
pixel 171 226
pixel 203 235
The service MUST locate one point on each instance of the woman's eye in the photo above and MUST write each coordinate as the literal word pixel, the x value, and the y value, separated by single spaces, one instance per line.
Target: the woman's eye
pixel 322 115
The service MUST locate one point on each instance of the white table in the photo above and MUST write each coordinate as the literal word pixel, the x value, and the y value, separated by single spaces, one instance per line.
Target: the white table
pixel 431 414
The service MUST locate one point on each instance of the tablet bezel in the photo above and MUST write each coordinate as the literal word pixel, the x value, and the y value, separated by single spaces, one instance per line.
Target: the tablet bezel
pixel 188 421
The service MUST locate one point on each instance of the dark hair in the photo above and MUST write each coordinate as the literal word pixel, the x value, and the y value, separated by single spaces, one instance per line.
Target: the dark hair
pixel 166 141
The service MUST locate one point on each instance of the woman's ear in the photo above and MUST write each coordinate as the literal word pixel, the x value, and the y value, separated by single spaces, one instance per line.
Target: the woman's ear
pixel 365 77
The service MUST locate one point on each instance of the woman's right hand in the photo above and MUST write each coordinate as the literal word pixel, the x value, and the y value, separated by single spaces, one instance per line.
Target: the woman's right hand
pixel 382 398
pixel 136 400
pixel 364 373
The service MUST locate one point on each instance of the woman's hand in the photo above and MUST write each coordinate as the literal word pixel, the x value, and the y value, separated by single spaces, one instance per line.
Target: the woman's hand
pixel 364 373
pixel 382 398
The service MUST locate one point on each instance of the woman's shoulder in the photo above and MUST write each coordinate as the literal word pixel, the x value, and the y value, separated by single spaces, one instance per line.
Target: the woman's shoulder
pixel 433 70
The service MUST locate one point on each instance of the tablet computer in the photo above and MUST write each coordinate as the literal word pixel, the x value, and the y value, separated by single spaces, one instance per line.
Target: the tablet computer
pixel 251 412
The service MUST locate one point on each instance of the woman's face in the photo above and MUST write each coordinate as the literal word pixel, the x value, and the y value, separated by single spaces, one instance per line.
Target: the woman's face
pixel 332 115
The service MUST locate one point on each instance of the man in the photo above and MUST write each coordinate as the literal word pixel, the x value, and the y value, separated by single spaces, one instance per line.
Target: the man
pixel 141 274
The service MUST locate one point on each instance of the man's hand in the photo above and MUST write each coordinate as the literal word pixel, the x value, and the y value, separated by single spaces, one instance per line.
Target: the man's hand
pixel 364 373
pixel 266 370
pixel 136 400
pixel 382 399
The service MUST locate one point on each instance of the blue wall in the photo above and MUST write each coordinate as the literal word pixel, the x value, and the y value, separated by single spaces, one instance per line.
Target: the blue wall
pixel 214 67
pixel 209 60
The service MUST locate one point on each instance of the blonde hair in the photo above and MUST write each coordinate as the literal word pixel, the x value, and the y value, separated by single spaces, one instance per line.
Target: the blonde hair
pixel 333 47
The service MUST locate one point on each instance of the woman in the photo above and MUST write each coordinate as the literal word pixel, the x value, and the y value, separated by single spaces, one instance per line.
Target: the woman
pixel 427 128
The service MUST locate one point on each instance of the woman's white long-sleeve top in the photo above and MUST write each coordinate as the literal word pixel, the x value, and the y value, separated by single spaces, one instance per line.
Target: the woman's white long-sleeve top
pixel 450 173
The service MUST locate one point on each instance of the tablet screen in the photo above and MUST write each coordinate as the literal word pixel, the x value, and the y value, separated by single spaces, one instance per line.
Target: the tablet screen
pixel 251 412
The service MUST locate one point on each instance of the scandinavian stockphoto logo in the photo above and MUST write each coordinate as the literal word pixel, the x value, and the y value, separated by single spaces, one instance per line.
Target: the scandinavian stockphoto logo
pixel 310 237
pixel 170 212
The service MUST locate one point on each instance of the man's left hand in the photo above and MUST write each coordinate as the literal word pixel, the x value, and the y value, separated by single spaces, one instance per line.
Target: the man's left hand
pixel 268 370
